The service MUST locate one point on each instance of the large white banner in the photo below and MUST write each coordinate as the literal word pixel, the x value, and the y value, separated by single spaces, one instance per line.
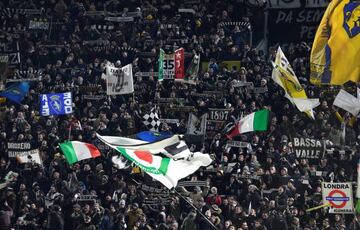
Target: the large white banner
pixel 338 196
pixel 119 80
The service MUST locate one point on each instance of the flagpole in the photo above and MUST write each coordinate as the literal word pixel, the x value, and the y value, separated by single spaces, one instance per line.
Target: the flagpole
pixel 69 137
pixel 197 210
pixel 174 190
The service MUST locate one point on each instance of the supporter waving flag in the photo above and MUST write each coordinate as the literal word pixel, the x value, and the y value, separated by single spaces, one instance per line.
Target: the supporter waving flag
pixel 284 76
pixel 75 151
pixel 257 121
pixel 16 92
pixel 164 169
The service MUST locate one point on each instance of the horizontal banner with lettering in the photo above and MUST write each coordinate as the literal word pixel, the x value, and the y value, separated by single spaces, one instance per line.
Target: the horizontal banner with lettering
pixel 298 24
pixel 18 148
pixel 218 114
pixel 308 148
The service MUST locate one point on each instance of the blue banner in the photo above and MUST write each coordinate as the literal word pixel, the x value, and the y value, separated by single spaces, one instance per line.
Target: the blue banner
pixel 16 92
pixel 152 136
pixel 55 104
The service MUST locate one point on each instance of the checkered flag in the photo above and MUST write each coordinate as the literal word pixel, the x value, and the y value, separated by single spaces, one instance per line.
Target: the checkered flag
pixel 151 120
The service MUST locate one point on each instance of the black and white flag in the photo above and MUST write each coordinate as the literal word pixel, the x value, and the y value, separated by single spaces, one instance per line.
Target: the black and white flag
pixel 151 120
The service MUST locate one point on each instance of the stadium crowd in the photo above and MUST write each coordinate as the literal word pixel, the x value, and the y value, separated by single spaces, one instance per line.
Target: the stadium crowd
pixel 267 188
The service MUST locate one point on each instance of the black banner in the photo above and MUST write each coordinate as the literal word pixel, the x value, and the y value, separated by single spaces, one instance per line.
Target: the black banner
pixel 293 25
pixel 218 114
pixel 18 148
pixel 39 24
pixel 308 148
pixel 10 48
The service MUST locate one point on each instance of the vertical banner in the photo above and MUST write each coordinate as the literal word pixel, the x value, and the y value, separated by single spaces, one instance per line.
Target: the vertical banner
pixel 3 70
pixel 11 49
pixel 119 80
pixel 173 66
pixel 56 104
pixel 161 65
pixel 179 64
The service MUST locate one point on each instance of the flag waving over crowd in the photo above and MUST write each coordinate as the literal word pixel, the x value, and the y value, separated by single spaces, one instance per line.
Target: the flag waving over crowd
pixel 284 76
pixel 75 151
pixel 151 120
pixel 16 92
pixel 335 53
pixel 348 102
pixel 257 121
pixel 164 169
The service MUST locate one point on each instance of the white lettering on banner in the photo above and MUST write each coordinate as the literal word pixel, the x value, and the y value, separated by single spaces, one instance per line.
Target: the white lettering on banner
pixel 303 16
pixel 218 114
pixel 26 153
pixel 306 142
pixel 20 145
pixel 45 108
pixel 306 20
pixel 67 103
pixel 310 154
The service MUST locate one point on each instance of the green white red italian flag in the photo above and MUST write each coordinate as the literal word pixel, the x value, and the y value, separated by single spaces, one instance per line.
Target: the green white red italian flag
pixel 257 121
pixel 166 170
pixel 75 151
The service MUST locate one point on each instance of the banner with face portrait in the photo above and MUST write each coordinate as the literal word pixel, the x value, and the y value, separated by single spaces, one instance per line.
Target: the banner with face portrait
pixel 119 80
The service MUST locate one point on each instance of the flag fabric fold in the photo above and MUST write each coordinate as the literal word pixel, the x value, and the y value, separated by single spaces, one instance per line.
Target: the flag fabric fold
pixel 257 121
pixel 347 102
pixel 179 59
pixel 172 147
pixel 161 65
pixel 196 126
pixel 151 136
pixel 75 151
pixel 31 156
pixel 151 120
pixel 119 80
pixel 16 92
pixel 285 77
pixel 335 52
pixel 166 170
pixel 193 70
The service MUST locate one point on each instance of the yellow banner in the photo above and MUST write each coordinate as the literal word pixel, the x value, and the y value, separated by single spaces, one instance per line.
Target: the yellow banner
pixel 335 52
